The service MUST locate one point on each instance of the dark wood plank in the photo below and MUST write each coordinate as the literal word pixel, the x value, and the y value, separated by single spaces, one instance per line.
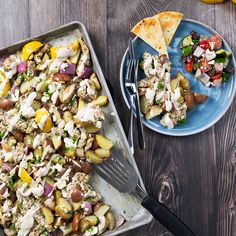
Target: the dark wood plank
pixel 194 176
pixel 181 171
pixel 11 29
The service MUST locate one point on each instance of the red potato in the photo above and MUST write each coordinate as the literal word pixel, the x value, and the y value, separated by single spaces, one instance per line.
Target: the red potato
pixel 6 104
pixel 61 77
pixel 77 195
pixel 200 98
pixel 190 101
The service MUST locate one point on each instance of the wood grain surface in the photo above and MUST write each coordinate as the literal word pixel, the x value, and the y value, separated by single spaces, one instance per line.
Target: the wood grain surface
pixel 194 176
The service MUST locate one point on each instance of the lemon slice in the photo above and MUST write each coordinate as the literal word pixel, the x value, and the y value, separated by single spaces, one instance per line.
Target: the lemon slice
pixel 29 48
pixel 43 120
pixel 74 46
pixel 4 85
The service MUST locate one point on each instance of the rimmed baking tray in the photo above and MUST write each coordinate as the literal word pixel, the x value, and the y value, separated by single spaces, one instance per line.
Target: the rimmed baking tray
pixel 125 204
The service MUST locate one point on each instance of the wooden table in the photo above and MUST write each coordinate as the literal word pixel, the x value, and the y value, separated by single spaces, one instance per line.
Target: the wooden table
pixel 195 176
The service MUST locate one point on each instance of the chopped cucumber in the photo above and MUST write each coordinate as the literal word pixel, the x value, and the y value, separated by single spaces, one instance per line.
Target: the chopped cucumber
pixel 223 53
pixel 220 59
pixel 187 40
pixel 225 77
pixel 186 51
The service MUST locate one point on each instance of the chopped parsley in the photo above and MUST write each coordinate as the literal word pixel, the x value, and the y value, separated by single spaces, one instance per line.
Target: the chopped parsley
pixel 2 135
pixel 158 101
pixel 54 173
pixel 181 122
pixel 20 205
pixel 48 92
pixel 21 77
pixel 89 199
pixel 160 86
pixel 11 180
pixel 72 100
pixel 38 159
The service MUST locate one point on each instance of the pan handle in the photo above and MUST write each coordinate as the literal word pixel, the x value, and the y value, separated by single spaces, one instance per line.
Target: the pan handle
pixel 166 217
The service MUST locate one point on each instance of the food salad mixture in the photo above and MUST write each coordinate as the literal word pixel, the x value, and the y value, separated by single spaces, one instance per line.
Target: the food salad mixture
pixel 50 120
pixel 161 95
pixel 205 57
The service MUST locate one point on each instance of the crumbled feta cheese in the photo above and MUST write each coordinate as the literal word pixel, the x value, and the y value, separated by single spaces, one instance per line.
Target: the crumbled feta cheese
pixel 210 55
pixel 61 183
pixel 64 66
pixel 69 127
pixel 43 121
pixel 61 124
pixel 168 105
pixel 54 97
pixel 27 221
pixel 26 108
pixel 150 94
pixel 86 114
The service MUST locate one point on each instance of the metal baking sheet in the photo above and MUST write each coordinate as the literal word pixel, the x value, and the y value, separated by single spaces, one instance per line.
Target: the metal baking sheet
pixel 125 204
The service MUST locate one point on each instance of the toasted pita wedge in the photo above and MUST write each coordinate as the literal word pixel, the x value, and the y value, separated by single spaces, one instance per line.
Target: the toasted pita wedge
pixel 169 23
pixel 149 30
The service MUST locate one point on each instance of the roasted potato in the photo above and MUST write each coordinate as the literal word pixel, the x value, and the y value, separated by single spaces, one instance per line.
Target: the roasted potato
pixel 200 98
pixel 189 99
pixel 92 157
pixel 102 153
pixel 103 142
pixel 153 112
pixel 49 217
pixel 63 208
pixel 102 210
pixel 100 101
pixel 111 220
pixel 144 104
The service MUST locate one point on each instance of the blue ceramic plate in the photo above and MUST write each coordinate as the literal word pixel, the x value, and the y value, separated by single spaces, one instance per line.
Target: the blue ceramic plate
pixel 201 116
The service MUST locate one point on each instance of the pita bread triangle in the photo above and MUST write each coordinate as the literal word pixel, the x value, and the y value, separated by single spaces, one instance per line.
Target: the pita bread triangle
pixel 169 23
pixel 150 31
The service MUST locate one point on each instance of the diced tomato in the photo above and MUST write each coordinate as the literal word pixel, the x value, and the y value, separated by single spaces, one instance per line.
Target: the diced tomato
pixel 216 39
pixel 216 76
pixel 203 63
pixel 204 44
pixel 189 66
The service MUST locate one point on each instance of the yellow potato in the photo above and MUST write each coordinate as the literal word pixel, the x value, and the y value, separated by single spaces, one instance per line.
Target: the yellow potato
pixel 82 104
pixel 56 140
pixel 49 217
pixel 102 210
pixel 103 142
pixel 91 157
pixel 93 220
pixel 91 129
pixel 63 208
pixel 84 225
pixel 144 104
pixel 111 220
pixel 102 153
pixel 100 101
pixel 153 112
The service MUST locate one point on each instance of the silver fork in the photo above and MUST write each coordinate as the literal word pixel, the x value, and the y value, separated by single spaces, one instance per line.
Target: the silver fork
pixel 130 89
pixel 120 174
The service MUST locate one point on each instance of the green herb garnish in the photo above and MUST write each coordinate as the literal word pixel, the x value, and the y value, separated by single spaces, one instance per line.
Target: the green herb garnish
pixel 181 122
pixel 21 77
pixel 225 77
pixel 160 86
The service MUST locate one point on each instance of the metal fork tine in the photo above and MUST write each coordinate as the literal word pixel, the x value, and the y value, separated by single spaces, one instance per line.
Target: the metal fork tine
pixel 119 173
